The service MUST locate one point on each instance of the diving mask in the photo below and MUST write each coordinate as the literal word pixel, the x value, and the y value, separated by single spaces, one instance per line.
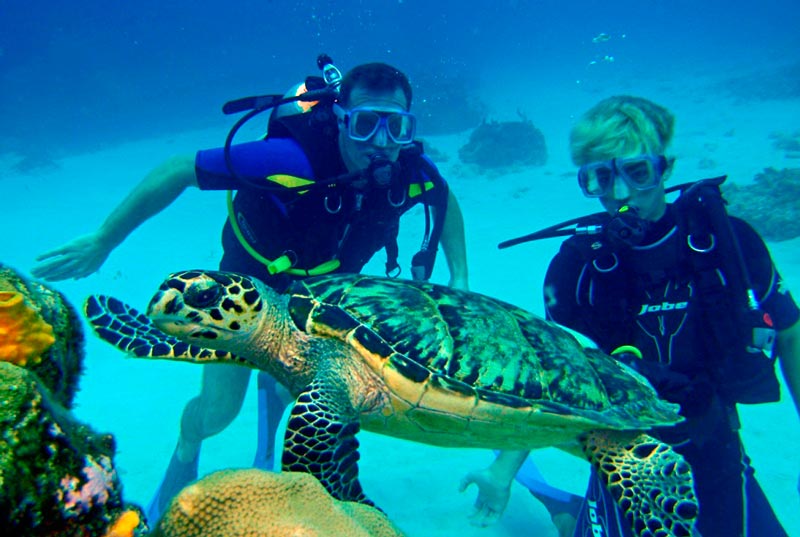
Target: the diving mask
pixel 643 172
pixel 363 123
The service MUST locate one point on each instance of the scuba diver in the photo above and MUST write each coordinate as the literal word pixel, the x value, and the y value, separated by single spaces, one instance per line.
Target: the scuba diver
pixel 683 293
pixel 322 192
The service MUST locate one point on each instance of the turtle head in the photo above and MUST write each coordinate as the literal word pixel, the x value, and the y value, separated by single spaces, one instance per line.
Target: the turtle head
pixel 217 310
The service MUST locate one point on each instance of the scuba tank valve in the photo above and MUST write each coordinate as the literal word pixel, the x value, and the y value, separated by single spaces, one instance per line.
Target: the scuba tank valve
pixel 330 73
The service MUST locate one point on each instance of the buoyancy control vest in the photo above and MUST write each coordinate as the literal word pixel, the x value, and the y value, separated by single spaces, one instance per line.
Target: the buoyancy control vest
pixel 703 255
pixel 313 125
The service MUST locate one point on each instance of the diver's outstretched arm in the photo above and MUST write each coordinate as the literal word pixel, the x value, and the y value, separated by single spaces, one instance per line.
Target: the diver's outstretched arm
pixel 454 245
pixel 84 255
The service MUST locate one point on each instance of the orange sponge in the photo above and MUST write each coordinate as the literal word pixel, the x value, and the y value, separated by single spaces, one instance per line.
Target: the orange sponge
pixel 24 335
pixel 125 525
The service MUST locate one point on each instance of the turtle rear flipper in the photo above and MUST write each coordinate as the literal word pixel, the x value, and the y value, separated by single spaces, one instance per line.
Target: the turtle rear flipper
pixel 651 483
pixel 134 333
pixel 321 439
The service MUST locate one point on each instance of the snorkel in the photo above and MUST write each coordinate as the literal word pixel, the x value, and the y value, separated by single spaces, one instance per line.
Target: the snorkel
pixel 625 228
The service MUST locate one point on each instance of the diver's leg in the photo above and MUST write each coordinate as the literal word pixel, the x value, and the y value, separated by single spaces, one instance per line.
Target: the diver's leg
pixel 599 514
pixel 563 506
pixel 761 519
pixel 731 501
pixel 221 395
pixel 272 401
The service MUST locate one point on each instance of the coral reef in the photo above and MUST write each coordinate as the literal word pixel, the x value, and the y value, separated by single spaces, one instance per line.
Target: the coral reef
pixel 788 143
pixel 771 204
pixel 768 83
pixel 56 474
pixel 41 331
pixel 240 503
pixel 36 163
pixel 450 104
pixel 496 145
pixel 433 153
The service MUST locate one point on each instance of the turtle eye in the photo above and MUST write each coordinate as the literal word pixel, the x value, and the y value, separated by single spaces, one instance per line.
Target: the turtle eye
pixel 202 297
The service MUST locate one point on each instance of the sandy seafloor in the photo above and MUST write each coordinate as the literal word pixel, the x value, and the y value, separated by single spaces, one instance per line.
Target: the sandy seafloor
pixel 140 401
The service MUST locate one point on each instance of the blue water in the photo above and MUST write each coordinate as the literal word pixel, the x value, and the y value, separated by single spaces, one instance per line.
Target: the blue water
pixel 81 74
pixel 94 94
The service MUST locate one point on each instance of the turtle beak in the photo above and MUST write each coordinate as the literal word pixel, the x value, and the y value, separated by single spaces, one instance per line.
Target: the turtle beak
pixel 165 310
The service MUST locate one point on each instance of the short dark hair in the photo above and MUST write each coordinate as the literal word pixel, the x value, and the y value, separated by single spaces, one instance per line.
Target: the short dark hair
pixel 374 77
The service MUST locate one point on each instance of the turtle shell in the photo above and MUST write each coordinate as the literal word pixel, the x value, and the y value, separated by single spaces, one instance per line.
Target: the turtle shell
pixel 471 344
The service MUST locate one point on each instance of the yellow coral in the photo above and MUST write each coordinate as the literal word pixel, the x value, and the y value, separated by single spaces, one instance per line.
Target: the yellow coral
pixel 255 503
pixel 24 335
pixel 125 525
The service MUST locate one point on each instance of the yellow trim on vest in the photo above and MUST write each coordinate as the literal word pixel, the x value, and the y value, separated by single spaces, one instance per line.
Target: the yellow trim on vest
pixel 283 263
pixel 414 190
pixel 289 181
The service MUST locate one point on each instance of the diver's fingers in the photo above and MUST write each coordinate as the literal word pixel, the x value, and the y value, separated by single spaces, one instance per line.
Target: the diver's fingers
pixel 484 516
pixel 49 266
pixel 60 270
pixel 62 250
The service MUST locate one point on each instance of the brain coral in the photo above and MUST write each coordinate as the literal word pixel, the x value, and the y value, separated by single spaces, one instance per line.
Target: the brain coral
pixel 255 503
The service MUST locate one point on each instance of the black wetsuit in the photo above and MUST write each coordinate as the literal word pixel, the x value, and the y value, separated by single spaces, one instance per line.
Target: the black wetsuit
pixel 650 300
pixel 316 225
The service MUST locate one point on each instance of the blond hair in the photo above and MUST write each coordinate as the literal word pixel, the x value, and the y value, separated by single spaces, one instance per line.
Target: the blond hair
pixel 621 126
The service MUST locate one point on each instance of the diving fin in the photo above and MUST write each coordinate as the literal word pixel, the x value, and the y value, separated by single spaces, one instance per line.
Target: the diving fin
pixel 178 475
pixel 271 428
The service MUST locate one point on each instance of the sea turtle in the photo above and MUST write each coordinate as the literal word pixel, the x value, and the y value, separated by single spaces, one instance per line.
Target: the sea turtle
pixel 422 362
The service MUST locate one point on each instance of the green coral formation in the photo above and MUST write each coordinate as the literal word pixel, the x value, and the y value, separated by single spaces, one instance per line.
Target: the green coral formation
pixel 56 474
pixel 496 145
pixel 771 204
pixel 61 365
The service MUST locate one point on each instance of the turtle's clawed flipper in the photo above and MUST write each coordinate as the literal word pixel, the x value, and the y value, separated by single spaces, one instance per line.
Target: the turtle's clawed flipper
pixel 321 440
pixel 651 483
pixel 134 333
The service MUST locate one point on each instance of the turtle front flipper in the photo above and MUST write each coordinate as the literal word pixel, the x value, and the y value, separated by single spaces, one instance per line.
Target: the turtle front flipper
pixel 651 483
pixel 134 333
pixel 321 439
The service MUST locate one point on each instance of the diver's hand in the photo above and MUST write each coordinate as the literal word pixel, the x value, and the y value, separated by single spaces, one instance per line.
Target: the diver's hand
pixel 76 259
pixel 493 495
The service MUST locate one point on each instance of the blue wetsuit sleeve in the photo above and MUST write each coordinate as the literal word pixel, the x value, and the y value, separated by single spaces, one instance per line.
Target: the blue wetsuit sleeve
pixel 253 162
